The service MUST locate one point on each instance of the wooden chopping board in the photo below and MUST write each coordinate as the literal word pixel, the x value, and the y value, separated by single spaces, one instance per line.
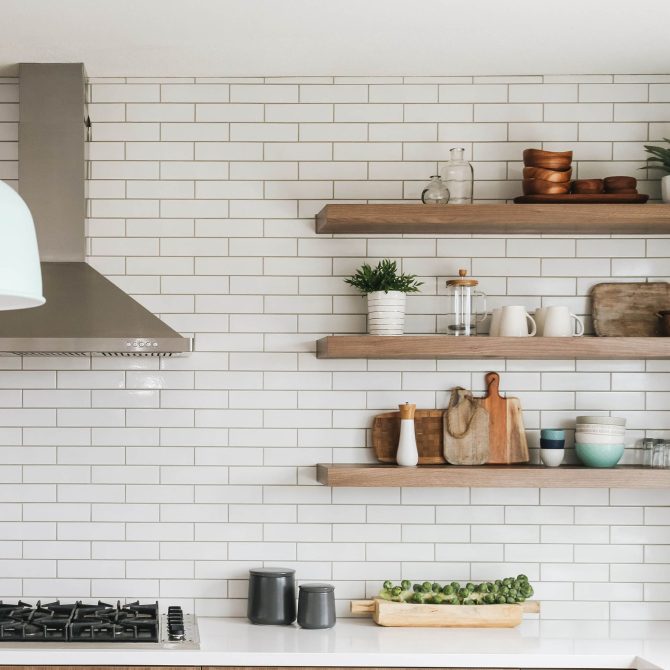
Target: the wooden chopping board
pixel 388 613
pixel 629 309
pixel 428 431
pixel 507 437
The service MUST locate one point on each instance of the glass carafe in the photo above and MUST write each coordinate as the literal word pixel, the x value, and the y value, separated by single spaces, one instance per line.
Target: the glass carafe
pixel 458 175
pixel 466 307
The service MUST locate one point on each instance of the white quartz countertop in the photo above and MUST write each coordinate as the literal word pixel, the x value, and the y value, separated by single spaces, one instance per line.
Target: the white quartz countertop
pixel 359 642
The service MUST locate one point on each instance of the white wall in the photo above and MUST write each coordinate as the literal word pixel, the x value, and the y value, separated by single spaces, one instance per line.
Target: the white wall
pixel 168 479
pixel 250 38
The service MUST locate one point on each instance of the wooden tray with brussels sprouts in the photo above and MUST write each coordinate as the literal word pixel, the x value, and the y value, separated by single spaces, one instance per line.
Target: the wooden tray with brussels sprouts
pixel 498 604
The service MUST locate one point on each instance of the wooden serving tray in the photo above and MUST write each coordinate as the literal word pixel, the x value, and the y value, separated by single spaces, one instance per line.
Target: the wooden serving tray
pixel 428 430
pixel 583 199
pixel 388 613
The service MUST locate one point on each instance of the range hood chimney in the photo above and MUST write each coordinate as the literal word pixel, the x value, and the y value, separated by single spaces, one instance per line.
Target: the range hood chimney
pixel 84 312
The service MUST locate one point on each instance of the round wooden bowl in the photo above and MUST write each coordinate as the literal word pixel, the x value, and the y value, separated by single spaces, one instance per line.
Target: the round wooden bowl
pixel 588 186
pixel 550 160
pixel 541 187
pixel 629 191
pixel 546 175
pixel 619 183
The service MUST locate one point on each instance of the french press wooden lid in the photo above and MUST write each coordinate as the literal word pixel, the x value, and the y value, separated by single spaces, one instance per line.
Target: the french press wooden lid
pixel 462 279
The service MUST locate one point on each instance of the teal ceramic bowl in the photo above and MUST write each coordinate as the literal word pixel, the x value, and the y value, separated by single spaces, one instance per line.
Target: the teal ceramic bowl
pixel 552 434
pixel 599 455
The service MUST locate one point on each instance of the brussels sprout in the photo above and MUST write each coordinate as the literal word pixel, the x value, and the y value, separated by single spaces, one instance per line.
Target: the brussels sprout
pixel 455 586
pixel 436 587
pixel 388 584
pixel 489 599
pixel 416 588
pixel 406 584
pixel 437 599
pixel 417 598
pixel 470 587
pixel 448 590
pixel 396 591
pixel 468 601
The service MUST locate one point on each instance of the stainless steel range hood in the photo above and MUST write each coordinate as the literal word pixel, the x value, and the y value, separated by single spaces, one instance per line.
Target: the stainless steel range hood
pixel 84 312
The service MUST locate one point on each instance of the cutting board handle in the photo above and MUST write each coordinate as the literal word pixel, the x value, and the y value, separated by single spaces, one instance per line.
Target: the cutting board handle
pixel 492 385
pixel 531 606
pixel 362 606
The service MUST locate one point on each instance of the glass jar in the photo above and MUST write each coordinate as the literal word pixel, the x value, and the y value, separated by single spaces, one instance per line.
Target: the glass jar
pixel 436 192
pixel 458 176
pixel 648 451
pixel 466 307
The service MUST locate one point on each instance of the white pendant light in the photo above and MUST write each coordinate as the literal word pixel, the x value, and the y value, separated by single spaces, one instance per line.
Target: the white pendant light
pixel 20 272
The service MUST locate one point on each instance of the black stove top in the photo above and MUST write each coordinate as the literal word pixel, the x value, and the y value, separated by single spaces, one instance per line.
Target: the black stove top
pixel 79 622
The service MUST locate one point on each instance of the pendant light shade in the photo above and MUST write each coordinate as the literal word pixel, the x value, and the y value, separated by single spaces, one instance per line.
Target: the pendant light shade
pixel 20 272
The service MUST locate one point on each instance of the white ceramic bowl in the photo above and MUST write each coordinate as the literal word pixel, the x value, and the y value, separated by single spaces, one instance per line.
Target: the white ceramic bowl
pixel 601 429
pixel 586 437
pixel 552 458
pixel 602 420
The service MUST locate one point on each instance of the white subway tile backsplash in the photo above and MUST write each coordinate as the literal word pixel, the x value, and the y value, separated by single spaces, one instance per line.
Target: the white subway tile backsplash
pixel 171 478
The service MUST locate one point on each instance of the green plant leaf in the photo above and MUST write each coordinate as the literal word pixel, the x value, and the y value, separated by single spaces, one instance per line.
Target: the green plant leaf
pixel 384 277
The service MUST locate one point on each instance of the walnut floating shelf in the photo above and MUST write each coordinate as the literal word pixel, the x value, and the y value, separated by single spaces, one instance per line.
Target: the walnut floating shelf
pixel 444 346
pixel 495 219
pixel 498 476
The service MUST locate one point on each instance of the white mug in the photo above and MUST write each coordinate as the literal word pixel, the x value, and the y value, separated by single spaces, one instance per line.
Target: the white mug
pixel 514 322
pixel 494 328
pixel 558 323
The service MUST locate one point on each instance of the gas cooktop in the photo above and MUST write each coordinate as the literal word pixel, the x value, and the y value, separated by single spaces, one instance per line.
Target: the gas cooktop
pixel 99 623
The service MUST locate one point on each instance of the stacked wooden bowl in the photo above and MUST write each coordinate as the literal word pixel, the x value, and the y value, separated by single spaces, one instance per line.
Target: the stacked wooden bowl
pixel 546 172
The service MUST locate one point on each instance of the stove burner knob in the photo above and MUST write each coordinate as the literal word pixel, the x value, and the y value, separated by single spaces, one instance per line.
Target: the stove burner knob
pixel 175 623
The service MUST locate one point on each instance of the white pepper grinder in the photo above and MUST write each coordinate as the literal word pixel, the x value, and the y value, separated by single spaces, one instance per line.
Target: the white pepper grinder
pixel 407 454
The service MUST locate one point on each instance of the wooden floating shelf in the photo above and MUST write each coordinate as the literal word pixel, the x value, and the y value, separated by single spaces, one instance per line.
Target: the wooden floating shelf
pixel 445 346
pixel 497 476
pixel 511 219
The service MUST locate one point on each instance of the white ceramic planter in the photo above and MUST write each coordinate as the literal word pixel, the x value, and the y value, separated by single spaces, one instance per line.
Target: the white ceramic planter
pixel 665 188
pixel 386 313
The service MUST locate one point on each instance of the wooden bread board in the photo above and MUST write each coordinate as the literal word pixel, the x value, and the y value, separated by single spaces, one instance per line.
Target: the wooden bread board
pixel 388 613
pixel 507 436
pixel 628 309
pixel 428 430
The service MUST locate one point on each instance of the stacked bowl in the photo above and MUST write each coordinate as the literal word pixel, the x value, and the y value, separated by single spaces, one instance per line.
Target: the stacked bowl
pixel 546 172
pixel 552 446
pixel 600 440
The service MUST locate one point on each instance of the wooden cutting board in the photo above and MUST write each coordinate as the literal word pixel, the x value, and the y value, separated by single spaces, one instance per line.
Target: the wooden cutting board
pixel 388 613
pixel 507 437
pixel 428 430
pixel 628 309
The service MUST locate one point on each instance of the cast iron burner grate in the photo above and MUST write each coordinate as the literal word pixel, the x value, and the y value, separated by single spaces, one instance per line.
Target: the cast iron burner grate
pixel 79 622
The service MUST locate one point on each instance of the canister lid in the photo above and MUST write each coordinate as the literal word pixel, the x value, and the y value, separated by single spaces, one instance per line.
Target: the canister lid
pixel 462 279
pixel 317 588
pixel 272 572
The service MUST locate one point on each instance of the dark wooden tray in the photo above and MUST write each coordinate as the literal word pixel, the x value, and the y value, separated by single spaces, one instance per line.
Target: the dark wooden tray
pixel 583 199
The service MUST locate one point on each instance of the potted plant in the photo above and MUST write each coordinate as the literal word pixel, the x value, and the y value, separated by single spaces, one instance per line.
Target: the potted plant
pixel 386 291
pixel 661 155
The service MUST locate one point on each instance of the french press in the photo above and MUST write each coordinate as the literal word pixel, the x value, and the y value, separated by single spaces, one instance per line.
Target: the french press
pixel 467 306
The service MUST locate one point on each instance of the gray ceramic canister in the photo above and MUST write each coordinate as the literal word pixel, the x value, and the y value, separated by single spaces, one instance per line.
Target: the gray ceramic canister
pixel 271 596
pixel 316 606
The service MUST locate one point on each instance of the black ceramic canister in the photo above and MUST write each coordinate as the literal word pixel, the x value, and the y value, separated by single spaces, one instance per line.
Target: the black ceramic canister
pixel 316 606
pixel 271 596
